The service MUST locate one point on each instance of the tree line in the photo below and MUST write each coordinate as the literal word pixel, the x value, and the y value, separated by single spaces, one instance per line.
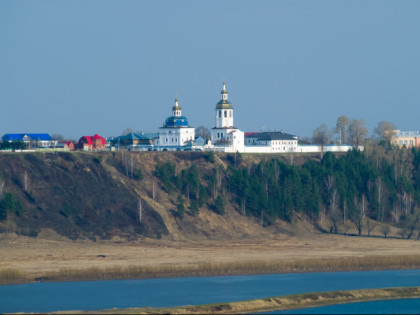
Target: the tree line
pixel 352 132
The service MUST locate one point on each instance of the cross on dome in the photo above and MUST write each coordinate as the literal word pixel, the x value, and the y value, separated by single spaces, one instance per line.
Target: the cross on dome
pixel 224 92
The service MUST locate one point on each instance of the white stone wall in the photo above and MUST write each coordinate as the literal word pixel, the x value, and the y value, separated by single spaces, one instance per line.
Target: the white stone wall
pixel 238 140
pixel 270 146
pixel 327 148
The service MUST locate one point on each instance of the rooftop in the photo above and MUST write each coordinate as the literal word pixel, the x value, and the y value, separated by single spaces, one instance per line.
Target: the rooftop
pixel 270 135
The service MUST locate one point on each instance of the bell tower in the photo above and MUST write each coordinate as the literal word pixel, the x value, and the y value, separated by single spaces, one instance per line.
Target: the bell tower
pixel 224 111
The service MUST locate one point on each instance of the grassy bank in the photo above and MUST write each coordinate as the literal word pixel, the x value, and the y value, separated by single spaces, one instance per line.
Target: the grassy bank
pixel 289 302
pixel 9 276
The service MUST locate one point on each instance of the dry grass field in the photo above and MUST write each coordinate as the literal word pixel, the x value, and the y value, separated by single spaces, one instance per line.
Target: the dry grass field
pixel 53 257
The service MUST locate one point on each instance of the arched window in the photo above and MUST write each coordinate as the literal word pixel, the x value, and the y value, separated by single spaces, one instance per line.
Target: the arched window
pixel 225 113
pixel 230 114
pixel 220 113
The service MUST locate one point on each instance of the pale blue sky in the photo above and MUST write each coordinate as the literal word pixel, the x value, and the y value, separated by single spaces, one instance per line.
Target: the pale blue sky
pixel 85 67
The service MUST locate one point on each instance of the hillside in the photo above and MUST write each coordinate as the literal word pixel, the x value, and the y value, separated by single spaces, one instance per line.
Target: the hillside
pixel 206 195
pixel 91 195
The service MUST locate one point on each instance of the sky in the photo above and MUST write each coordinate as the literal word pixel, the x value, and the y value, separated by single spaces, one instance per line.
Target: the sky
pixel 84 67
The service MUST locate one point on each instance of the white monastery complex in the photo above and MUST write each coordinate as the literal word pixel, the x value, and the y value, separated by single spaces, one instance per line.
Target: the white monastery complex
pixel 177 135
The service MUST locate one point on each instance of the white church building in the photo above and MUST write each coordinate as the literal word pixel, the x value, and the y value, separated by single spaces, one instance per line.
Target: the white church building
pixel 175 132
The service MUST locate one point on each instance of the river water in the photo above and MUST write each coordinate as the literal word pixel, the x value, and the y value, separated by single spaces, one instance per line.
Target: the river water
pixel 96 295
pixel 403 306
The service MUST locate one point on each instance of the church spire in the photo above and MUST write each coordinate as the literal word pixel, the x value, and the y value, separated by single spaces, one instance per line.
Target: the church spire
pixel 176 110
pixel 224 92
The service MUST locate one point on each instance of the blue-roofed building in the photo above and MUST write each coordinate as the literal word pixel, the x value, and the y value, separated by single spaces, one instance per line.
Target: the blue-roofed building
pixel 33 140
pixel 132 140
pixel 175 132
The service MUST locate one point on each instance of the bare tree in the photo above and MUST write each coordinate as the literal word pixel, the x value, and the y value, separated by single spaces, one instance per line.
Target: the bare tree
pixel 321 136
pixel 276 172
pixel 127 130
pixel 292 155
pixel 262 218
pixel 328 184
pixel 153 190
pixel 140 206
pixel 132 164
pixel 243 206
pixel 341 128
pixel 202 132
pixel 334 211
pixel 218 180
pixel 385 229
pixel 358 214
pixel 384 131
pixel 57 136
pixel 2 184
pixel 26 181
pixel 381 194
pixel 370 225
pixel 357 132
pixel 411 222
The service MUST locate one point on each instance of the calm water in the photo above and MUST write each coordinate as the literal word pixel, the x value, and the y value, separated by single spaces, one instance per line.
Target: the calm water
pixel 94 295
pixel 403 306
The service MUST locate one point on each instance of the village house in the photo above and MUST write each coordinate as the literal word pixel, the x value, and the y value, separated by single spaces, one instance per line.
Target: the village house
pixel 409 139
pixel 66 145
pixel 33 140
pixel 89 143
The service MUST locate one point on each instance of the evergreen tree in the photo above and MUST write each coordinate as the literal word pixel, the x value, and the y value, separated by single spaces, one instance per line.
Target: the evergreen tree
pixel 180 207
pixel 220 205
pixel 194 208
pixel 203 196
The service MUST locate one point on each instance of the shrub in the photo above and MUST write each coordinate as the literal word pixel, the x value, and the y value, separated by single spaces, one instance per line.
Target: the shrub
pixel 98 159
pixel 138 174
pixel 210 157
pixel 220 205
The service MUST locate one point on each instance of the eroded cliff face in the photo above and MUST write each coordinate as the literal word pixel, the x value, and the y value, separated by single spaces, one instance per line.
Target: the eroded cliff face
pixel 91 195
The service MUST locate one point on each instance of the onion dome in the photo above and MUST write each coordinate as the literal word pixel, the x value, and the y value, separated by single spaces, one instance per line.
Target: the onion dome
pixel 176 120
pixel 224 103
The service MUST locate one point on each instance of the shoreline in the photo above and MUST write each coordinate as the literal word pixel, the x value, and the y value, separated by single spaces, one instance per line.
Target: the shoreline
pixel 258 267
pixel 28 260
pixel 280 303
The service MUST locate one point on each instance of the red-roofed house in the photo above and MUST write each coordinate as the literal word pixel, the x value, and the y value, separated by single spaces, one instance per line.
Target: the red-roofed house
pixel 88 143
pixel 66 145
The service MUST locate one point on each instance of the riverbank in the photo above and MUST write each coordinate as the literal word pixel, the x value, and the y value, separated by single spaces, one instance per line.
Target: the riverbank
pixel 51 258
pixel 281 303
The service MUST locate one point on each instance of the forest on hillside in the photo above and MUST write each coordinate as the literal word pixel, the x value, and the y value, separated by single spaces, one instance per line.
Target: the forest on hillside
pixel 376 187
pixel 99 194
